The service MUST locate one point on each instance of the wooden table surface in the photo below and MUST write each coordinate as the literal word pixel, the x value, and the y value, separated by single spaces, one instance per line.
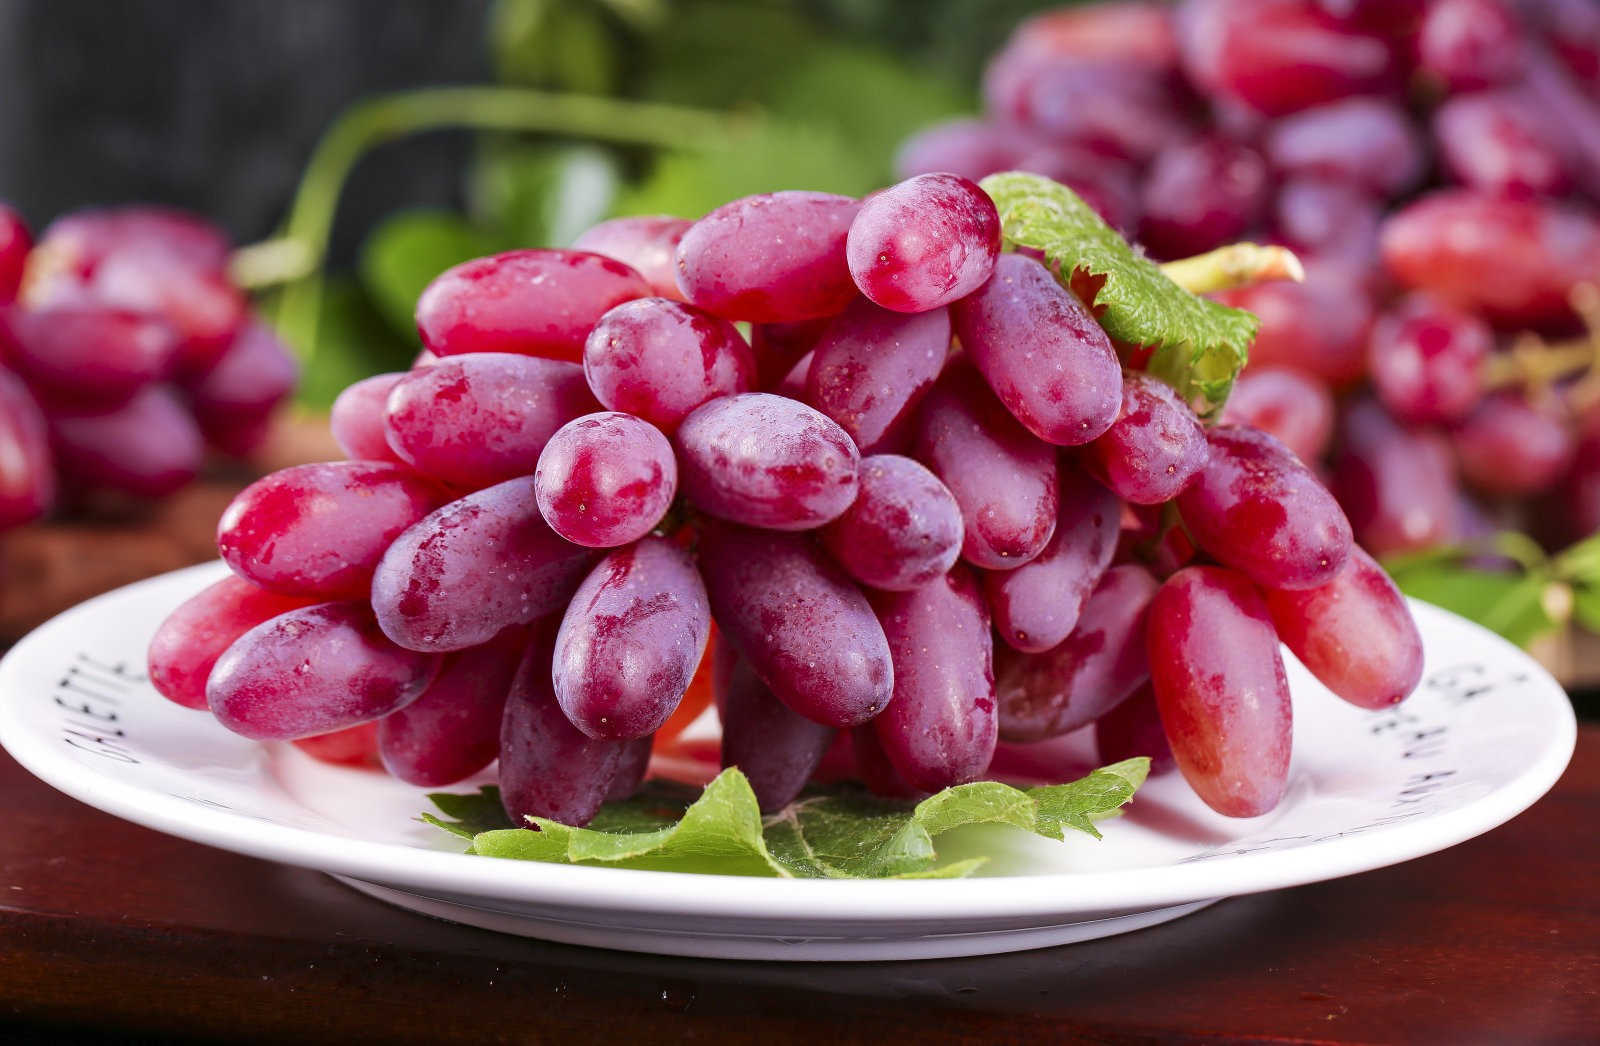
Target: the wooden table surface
pixel 110 932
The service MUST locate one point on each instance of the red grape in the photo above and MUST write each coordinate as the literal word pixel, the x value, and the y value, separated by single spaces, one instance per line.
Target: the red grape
pixel 1294 408
pixel 354 746
pixel 1501 142
pixel 777 347
pixel 88 355
pixel 1199 195
pixel 319 530
pixel 473 568
pixel 536 302
pixel 806 629
pixel 1155 447
pixel 1330 223
pixel 630 640
pixel 312 671
pixel 775 258
pixel 1467 44
pixel 1259 509
pixel 939 729
pixel 605 479
pixel 1037 605
pixel 202 305
pixel 548 767
pixel 1514 261
pixel 1133 728
pixel 1511 448
pixel 902 531
pixel 481 418
pixel 27 472
pixel 632 765
pixel 968 148
pixel 660 360
pixel 15 243
pixel 356 419
pixel 192 637
pixel 766 461
pixel 647 244
pixel 1368 142
pixel 923 243
pixel 148 447
pixel 1427 360
pixel 1002 476
pixel 1221 688
pixel 1125 110
pixel 1355 634
pixel 1397 484
pixel 1042 352
pixel 872 367
pixel 1126 30
pixel 776 749
pixel 255 375
pixel 1320 327
pixel 1079 680
pixel 453 730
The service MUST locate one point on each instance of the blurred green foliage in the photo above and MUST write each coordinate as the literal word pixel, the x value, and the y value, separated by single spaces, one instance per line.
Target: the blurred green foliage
pixel 830 88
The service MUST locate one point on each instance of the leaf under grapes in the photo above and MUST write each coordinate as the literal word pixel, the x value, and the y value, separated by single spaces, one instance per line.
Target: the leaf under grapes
pixel 841 832
pixel 1510 602
pixel 1200 346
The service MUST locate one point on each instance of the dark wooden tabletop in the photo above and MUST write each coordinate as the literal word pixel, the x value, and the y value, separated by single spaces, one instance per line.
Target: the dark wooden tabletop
pixel 110 932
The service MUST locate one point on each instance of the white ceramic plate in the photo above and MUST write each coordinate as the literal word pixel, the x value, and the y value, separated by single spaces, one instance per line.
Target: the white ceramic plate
pixel 1486 734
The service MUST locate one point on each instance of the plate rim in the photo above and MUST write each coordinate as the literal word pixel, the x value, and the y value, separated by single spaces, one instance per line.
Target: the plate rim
pixel 957 902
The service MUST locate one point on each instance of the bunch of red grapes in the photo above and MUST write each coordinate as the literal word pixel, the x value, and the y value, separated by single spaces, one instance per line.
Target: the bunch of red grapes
pixel 909 549
pixel 1433 162
pixel 124 352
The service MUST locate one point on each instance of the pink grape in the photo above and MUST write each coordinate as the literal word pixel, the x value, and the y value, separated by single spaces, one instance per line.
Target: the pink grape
pixel 192 637
pixel 548 767
pixel 924 242
pixel 1502 142
pixel 1258 508
pixel 1294 408
pixel 204 307
pixel 1199 195
pixel 1398 484
pixel 872 367
pixel 1279 56
pixel 1075 682
pixel 357 419
pixel 27 471
pixel 1468 44
pixel 1427 361
pixel 806 629
pixel 535 302
pixel 630 640
pixel 1133 728
pixel 314 670
pixel 775 748
pixel 1125 110
pixel 660 360
pixel 1369 142
pixel 777 347
pixel 873 768
pixel 1002 476
pixel 1513 261
pixel 481 418
pixel 1511 448
pixel 968 148
pixel 1125 30
pixel 773 258
pixel 88 355
pixel 605 479
pixel 1036 606
pixel 83 239
pixel 940 728
pixel 793 385
pixel 473 568
pixel 234 400
pixel 319 530
pixel 1330 224
pixel 632 766
pixel 766 461
pixel 1154 448
pixel 1355 634
pixel 902 531
pixel 453 730
pixel 15 243
pixel 1220 684
pixel 148 447
pixel 646 244
pixel 1319 328
pixel 1042 352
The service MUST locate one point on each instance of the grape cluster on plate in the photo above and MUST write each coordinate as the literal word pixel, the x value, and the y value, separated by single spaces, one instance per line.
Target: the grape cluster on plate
pixel 124 351
pixel 919 550
pixel 1435 163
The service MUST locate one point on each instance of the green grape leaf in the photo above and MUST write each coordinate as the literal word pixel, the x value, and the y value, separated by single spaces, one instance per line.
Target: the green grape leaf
pixel 1586 607
pixel 407 250
pixel 538 195
pixel 1511 602
pixel 836 833
pixel 352 342
pixel 1200 346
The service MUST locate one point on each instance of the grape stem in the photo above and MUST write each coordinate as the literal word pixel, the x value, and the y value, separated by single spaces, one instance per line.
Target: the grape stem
pixel 297 253
pixel 1536 364
pixel 1234 266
